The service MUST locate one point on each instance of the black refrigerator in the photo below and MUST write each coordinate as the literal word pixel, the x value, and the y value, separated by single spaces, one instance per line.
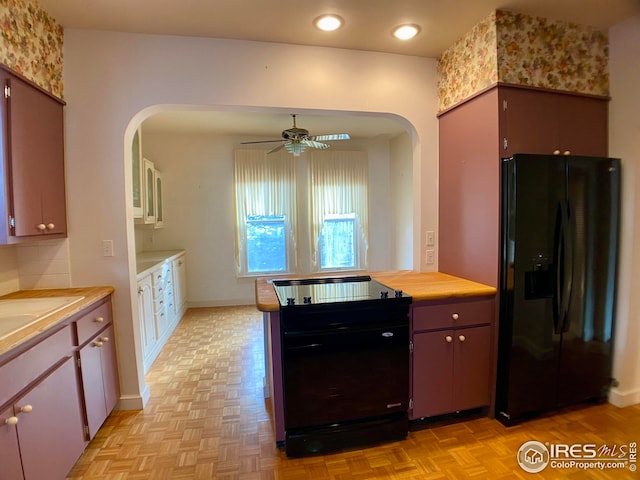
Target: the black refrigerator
pixel 559 235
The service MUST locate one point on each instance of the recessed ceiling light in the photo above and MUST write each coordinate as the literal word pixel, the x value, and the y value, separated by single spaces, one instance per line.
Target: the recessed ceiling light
pixel 406 32
pixel 328 23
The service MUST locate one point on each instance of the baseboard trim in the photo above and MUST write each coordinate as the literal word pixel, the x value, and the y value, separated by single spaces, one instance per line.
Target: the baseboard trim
pixel 220 303
pixel 624 399
pixel 134 402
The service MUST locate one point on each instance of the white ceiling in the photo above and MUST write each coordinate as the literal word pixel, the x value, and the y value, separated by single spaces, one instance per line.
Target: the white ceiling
pixel 368 25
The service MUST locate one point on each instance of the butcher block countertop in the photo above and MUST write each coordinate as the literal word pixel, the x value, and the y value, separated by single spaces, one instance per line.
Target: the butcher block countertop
pixel 91 295
pixel 420 285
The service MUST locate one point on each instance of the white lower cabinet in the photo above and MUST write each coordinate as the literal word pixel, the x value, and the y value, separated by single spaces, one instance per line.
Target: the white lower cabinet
pixel 147 320
pixel 158 308
pixel 179 270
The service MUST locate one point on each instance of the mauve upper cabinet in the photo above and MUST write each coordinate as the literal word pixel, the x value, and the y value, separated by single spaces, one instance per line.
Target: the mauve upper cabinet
pixel 32 191
pixel 474 136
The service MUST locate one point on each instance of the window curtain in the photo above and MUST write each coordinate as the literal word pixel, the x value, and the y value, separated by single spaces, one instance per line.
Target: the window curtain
pixel 265 185
pixel 338 183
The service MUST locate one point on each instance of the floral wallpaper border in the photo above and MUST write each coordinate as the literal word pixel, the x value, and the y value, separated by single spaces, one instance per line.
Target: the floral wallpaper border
pixel 521 49
pixel 470 65
pixel 31 43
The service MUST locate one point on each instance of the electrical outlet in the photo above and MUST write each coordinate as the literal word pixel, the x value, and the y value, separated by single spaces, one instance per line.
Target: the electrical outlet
pixel 431 238
pixel 430 256
pixel 107 248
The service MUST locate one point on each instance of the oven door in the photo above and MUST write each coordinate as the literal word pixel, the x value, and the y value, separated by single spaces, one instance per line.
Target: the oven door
pixel 345 373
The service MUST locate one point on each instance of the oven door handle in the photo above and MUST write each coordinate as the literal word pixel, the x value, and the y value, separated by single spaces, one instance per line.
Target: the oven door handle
pixel 306 347
pixel 344 329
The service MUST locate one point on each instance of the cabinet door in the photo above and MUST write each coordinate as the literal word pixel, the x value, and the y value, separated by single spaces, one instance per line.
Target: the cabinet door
pixel 99 379
pixel 51 436
pixel 145 309
pixel 93 385
pixel 149 214
pixel 584 125
pixel 179 269
pixel 10 463
pixel 432 373
pixel 37 161
pixel 109 362
pixel 136 170
pixel 534 121
pixel 529 123
pixel 471 367
pixel 158 198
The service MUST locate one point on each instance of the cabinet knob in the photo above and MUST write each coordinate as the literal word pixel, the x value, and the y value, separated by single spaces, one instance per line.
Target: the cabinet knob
pixel 455 316
pixel 51 226
pixel 567 152
pixel 26 408
pixel 97 344
pixel 556 152
pixel 11 421
pixel 449 338
pixel 99 319
pixel 462 338
pixel 104 339
pixel 42 227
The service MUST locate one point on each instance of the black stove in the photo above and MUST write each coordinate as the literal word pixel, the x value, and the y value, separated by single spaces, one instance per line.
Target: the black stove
pixel 322 290
pixel 345 362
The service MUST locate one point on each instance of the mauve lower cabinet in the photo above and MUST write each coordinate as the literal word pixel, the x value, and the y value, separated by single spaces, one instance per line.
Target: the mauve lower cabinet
pixel 57 390
pixel 452 356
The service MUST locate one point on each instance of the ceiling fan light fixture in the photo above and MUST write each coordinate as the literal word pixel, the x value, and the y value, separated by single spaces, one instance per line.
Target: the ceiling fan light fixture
pixel 295 148
pixel 329 22
pixel 406 32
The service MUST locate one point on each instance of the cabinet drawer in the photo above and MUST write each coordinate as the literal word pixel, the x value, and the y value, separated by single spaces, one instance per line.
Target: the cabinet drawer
pixel 27 367
pixel 94 321
pixel 453 315
pixel 160 275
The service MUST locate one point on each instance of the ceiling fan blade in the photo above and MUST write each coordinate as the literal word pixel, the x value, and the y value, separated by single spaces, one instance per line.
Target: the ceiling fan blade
pixel 279 147
pixel 261 141
pixel 332 136
pixel 314 144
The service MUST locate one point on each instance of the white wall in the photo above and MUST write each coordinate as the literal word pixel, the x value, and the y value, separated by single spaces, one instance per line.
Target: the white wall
pixel 197 171
pixel 624 142
pixel 113 81
pixel 401 177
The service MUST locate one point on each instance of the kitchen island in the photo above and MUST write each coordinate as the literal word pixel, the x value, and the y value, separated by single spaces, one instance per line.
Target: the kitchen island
pixel 445 307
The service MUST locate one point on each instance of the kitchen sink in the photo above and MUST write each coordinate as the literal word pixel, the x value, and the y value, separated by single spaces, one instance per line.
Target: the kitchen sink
pixel 19 313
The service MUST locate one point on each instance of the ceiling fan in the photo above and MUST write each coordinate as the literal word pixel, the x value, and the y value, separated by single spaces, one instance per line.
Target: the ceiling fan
pixel 295 140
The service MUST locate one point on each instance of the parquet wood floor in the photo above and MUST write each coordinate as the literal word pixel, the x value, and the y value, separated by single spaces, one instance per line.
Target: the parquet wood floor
pixel 207 419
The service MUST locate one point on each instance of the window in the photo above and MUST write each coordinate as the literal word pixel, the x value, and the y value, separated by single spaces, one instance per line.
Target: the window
pixel 338 242
pixel 334 221
pixel 265 191
pixel 266 244
pixel 338 196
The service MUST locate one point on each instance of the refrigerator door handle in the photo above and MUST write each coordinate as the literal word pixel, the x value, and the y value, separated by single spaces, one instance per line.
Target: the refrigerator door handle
pixel 564 270
pixel 568 268
pixel 558 255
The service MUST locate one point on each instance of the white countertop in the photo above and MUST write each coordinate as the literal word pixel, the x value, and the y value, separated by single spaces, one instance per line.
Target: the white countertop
pixel 147 261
